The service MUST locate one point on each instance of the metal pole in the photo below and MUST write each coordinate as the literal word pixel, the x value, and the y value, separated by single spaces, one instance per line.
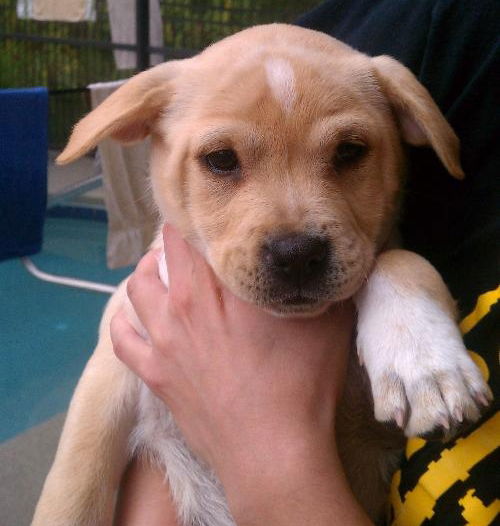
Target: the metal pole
pixel 142 33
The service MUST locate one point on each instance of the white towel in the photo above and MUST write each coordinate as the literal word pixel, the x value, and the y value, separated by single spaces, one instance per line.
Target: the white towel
pixel 132 215
pixel 122 21
pixel 59 10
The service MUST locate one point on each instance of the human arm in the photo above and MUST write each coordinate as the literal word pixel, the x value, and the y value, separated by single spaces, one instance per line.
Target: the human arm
pixel 253 394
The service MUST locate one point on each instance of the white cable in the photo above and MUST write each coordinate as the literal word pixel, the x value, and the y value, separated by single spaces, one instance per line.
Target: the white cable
pixel 65 280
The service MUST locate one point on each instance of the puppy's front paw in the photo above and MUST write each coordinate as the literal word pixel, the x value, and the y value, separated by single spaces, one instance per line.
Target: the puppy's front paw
pixel 422 377
pixel 426 398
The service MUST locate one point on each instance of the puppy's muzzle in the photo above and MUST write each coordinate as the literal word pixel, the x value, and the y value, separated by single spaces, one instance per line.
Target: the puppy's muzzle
pixel 296 264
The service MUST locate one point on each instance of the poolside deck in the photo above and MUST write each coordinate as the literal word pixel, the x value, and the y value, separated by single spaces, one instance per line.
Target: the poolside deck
pixel 47 334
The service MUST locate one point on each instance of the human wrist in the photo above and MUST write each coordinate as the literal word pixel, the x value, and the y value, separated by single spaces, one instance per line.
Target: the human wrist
pixel 261 484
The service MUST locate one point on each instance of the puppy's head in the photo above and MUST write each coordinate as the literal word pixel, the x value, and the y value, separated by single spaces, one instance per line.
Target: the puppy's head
pixel 278 153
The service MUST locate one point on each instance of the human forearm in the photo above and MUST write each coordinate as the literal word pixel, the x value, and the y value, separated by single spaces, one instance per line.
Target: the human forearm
pixel 300 486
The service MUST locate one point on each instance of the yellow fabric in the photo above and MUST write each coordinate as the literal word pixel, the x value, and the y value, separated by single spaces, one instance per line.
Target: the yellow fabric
pixel 413 445
pixel 475 512
pixel 453 465
pixel 483 306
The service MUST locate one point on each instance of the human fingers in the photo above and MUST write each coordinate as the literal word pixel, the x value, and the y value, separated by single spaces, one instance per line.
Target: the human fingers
pixel 128 346
pixel 190 275
pixel 147 293
pixel 179 263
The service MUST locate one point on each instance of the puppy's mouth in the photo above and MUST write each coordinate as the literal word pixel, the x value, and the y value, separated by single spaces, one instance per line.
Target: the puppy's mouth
pixel 299 300
pixel 297 306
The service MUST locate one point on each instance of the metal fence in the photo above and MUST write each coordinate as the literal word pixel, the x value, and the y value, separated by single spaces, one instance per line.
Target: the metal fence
pixel 66 57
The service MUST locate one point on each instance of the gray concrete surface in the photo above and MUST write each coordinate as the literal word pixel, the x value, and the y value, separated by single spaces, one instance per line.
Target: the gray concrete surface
pixel 24 463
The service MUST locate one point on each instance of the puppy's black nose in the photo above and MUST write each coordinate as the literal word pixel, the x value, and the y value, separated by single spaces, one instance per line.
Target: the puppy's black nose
pixel 296 258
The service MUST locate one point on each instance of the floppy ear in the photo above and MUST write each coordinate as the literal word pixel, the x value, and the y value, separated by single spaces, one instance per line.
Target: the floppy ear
pixel 127 114
pixel 420 120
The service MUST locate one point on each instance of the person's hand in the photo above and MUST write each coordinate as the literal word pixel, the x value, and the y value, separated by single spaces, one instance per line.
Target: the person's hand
pixel 250 391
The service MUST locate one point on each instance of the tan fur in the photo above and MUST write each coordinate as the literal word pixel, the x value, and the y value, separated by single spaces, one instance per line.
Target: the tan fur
pixel 399 264
pixel 221 99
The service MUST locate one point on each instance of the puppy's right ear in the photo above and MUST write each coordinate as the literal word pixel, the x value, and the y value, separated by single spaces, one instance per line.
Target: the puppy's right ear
pixel 420 120
pixel 127 114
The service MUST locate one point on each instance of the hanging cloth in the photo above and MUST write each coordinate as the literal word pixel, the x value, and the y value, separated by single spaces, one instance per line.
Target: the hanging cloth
pixel 57 10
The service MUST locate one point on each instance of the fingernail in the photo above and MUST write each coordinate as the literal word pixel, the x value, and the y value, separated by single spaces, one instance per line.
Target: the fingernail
pixel 480 397
pixel 458 415
pixel 443 420
pixel 399 417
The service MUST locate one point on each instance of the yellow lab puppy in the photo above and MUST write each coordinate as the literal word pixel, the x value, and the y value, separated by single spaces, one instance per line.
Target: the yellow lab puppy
pixel 278 153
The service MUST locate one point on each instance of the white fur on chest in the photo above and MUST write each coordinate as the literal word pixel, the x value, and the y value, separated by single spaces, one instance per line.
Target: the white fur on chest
pixel 196 492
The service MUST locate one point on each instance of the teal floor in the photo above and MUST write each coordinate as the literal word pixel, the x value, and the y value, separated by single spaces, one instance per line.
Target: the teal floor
pixel 48 331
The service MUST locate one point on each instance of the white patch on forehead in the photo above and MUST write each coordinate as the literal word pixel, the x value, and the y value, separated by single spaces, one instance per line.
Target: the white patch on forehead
pixel 281 80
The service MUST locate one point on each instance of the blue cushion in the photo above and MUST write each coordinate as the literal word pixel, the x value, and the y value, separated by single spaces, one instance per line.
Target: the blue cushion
pixel 23 170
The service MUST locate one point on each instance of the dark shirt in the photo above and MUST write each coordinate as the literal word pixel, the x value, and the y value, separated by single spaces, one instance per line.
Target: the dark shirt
pixel 452 46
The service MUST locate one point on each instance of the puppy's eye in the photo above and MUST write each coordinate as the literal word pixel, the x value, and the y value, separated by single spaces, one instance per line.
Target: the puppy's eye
pixel 222 161
pixel 349 152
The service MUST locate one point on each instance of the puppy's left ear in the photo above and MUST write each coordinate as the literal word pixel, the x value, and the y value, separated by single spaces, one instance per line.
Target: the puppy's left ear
pixel 128 114
pixel 420 120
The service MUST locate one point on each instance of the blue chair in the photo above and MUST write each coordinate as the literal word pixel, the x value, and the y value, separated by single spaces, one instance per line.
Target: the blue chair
pixel 23 181
pixel 23 170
